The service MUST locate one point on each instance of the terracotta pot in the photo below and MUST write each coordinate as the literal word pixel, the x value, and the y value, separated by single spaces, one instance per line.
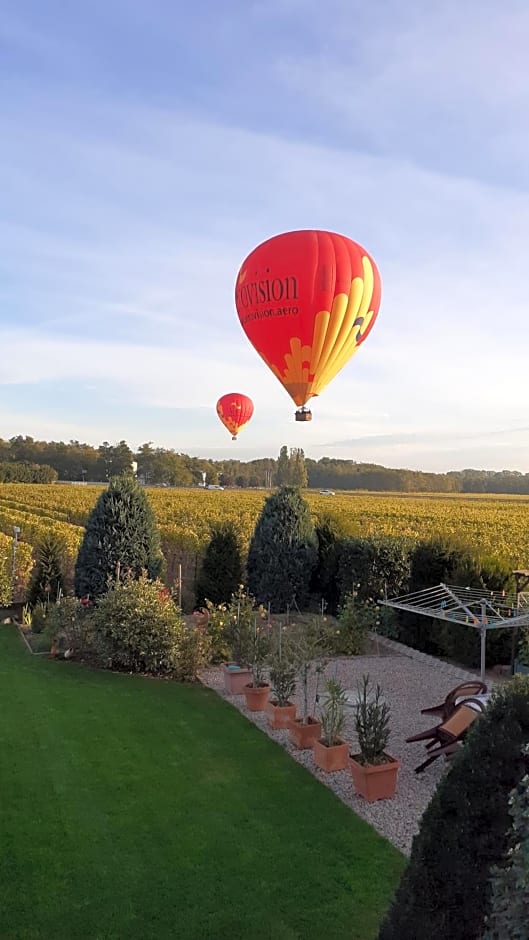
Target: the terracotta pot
pixel 302 735
pixel 331 758
pixel 256 698
pixel 375 782
pixel 235 678
pixel 280 715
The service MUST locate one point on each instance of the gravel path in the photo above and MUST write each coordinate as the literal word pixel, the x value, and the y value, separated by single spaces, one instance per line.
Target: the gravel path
pixel 410 681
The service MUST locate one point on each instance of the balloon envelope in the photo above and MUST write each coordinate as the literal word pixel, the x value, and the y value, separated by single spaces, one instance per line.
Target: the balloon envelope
pixel 234 410
pixel 307 301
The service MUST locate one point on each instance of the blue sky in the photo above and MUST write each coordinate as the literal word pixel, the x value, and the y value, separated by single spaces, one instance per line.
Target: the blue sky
pixel 147 147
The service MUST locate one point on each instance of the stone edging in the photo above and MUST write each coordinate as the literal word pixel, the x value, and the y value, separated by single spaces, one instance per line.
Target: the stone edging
pixel 438 664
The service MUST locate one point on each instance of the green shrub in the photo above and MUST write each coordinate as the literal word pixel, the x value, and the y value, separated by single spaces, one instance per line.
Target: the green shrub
pixel 47 580
pixel 355 620
pixel 73 624
pixel 374 567
pixel 509 915
pixel 445 890
pixel 283 551
pixel 222 567
pixel 138 627
pixel 243 613
pixel 121 539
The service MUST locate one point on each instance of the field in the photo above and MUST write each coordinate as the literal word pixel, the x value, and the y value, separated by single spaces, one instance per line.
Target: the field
pixel 497 525
pixel 147 809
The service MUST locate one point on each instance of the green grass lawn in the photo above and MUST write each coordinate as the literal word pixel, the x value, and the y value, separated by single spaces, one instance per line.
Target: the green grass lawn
pixel 137 808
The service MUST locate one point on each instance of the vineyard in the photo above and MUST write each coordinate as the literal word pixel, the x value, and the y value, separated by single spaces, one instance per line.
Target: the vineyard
pixel 496 525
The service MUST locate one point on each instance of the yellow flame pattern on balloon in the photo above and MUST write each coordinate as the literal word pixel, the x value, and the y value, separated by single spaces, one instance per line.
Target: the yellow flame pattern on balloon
pixel 335 338
pixel 232 426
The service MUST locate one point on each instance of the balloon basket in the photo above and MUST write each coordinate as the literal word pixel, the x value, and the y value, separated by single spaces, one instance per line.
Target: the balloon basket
pixel 303 415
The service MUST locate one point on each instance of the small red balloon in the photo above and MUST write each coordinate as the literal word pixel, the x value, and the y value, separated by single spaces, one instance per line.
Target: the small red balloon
pixel 234 410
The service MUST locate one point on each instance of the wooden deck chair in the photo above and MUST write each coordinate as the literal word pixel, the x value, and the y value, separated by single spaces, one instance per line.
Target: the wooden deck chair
pixel 465 690
pixel 450 733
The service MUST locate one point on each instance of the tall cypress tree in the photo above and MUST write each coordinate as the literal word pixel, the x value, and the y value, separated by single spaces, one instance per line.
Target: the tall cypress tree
pixel 222 567
pixel 121 539
pixel 283 551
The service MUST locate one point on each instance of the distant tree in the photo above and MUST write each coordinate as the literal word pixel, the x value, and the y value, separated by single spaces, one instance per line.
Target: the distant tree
pixel 121 539
pixel 283 551
pixel 47 581
pixel 222 568
pixel 283 467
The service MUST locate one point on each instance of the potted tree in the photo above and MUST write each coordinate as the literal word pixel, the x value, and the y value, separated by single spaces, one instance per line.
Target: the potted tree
pixel 239 633
pixel 257 691
pixel 373 770
pixel 283 683
pixel 330 752
pixel 306 646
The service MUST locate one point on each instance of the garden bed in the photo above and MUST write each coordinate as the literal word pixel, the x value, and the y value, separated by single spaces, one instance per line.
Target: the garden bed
pixel 410 680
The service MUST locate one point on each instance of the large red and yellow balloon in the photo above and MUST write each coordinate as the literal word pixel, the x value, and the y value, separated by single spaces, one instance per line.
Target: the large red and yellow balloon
pixel 234 410
pixel 307 301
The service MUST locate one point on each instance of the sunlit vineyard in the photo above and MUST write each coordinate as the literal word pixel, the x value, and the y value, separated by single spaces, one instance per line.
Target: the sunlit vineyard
pixel 494 525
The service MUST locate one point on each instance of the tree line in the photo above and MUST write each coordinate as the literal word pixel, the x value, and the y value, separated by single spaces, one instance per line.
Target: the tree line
pixel 25 460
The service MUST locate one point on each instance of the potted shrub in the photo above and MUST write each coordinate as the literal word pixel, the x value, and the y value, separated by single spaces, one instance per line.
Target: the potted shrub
pixel 374 771
pixel 240 616
pixel 306 646
pixel 283 684
pixel 330 752
pixel 257 691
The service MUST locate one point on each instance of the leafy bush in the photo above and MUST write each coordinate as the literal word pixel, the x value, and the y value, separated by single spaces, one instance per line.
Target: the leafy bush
pixel 509 915
pixel 138 628
pixel 355 620
pixel 445 891
pixel 73 623
pixel 306 644
pixel 374 567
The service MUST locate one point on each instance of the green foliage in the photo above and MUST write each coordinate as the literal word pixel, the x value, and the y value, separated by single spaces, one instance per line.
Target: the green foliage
pixel 217 630
pixel 374 567
pixel 259 654
pixel 121 539
pixel 282 679
pixel 291 468
pixel 283 551
pixel 242 614
pixel 306 645
pixel 139 629
pixel 445 891
pixel 372 724
pixel 72 623
pixel 441 560
pixel 332 713
pixel 47 581
pixel 331 530
pixel 39 616
pixel 355 620
pixel 509 915
pixel 222 567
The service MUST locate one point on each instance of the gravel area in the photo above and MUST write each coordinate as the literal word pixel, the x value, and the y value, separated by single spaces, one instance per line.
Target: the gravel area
pixel 410 681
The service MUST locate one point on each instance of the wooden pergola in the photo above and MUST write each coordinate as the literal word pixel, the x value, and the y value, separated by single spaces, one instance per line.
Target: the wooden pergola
pixel 473 607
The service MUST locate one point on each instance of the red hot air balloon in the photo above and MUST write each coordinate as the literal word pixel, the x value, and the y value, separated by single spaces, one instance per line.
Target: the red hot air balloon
pixel 307 301
pixel 234 410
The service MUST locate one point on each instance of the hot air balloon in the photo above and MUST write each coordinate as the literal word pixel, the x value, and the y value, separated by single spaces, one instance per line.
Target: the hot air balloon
pixel 307 300
pixel 234 410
